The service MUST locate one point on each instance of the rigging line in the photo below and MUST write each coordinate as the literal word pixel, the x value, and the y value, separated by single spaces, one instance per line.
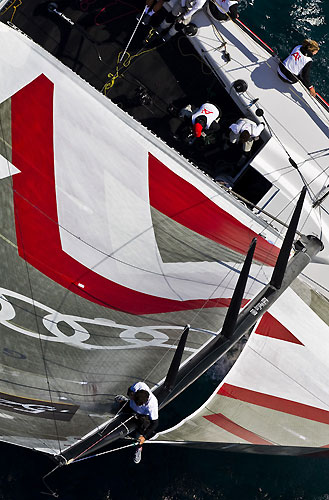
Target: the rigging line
pixel 324 111
pixel 288 170
pixel 325 403
pixel 63 392
pixel 319 220
pixel 288 205
pixel 309 189
pixel 213 260
pixel 321 224
pixel 234 256
pixel 281 231
pixel 324 209
pixel 193 320
pixel 250 96
pixel 324 171
pixel 316 283
pixel 279 169
pixel 218 34
pixel 175 342
pixel 268 224
pixel 101 429
pixel 166 278
pixel 256 207
pixel 52 492
pixel 227 287
pixel 111 255
pixel 104 453
pixel 101 439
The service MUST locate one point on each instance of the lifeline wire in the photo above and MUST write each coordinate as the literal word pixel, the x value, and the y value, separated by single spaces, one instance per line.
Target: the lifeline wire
pixel 101 439
pixel 133 34
pixel 102 453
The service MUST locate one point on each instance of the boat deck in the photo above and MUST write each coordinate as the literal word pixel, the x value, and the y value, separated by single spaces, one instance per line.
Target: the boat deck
pixel 92 46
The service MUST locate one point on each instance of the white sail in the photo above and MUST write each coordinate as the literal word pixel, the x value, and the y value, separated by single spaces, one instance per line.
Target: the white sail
pixel 276 393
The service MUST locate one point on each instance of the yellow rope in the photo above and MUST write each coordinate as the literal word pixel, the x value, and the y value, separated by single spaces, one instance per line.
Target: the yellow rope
pixel 122 67
pixel 19 3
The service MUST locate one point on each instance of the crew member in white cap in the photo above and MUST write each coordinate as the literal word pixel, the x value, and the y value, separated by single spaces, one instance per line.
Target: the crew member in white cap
pixel 245 131
pixel 180 14
pixel 298 64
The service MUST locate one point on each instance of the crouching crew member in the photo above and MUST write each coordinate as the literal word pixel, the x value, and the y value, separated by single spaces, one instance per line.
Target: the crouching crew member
pixel 180 15
pixel 224 9
pixel 245 132
pixel 298 64
pixel 144 404
pixel 205 120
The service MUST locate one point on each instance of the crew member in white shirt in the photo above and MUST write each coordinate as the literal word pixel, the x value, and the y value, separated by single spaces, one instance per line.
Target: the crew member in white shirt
pixel 298 64
pixel 245 131
pixel 205 119
pixel 180 14
pixel 145 405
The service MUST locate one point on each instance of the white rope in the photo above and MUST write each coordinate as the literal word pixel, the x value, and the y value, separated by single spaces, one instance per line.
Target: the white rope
pixel 102 453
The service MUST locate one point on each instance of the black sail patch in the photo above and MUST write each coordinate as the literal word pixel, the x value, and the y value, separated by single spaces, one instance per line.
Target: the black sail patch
pixel 37 408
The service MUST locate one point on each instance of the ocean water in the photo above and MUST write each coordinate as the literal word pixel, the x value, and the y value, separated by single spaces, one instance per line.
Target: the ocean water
pixel 172 473
pixel 283 24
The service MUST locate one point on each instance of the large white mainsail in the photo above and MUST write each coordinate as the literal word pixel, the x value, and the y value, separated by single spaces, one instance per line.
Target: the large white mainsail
pixel 110 243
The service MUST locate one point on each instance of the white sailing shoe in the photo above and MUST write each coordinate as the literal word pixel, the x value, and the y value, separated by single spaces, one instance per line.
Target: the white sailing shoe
pixel 138 455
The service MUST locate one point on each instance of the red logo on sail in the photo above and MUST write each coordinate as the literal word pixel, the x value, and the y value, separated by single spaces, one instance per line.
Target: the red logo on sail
pixel 36 212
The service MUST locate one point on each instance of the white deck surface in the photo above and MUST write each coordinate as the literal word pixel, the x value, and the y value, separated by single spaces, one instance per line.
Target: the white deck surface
pixel 296 118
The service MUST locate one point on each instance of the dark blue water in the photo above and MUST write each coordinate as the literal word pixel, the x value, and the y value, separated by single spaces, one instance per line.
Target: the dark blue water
pixel 171 473
pixel 282 24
